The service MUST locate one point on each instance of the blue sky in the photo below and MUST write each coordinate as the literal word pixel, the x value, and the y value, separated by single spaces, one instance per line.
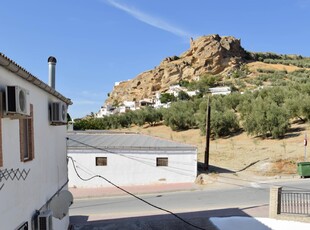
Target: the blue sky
pixel 99 42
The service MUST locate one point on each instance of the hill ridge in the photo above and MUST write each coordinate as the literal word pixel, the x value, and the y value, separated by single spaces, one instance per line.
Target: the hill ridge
pixel 210 54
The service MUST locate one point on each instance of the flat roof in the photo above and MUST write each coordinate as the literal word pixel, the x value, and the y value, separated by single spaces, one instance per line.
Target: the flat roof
pixel 114 140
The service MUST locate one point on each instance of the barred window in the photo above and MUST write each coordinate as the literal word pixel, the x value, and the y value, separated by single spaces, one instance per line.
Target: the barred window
pixel 101 161
pixel 161 161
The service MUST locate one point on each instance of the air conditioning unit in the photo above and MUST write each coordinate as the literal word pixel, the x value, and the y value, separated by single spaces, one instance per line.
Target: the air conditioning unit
pixel 17 102
pixel 45 221
pixel 58 113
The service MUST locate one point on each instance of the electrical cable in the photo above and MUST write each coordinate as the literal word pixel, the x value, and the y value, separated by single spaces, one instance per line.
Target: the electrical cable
pixel 133 195
pixel 173 169
pixel 109 151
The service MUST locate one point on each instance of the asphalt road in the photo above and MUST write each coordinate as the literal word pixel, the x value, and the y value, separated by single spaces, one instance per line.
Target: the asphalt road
pixel 238 196
pixel 176 202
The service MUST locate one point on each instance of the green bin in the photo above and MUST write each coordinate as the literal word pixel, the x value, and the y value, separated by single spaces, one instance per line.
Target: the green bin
pixel 303 169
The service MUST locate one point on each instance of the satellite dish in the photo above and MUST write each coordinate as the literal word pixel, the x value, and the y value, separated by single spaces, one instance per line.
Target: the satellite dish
pixel 59 207
pixel 67 196
pixel 60 204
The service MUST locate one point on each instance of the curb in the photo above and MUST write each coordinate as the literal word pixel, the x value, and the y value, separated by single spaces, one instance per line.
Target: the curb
pixel 88 193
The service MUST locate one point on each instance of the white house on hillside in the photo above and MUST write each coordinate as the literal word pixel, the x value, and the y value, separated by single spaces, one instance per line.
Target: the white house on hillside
pixel 157 102
pixel 131 105
pixel 175 90
pixel 128 159
pixel 146 102
pixel 220 90
pixel 33 161
pixel 108 110
pixel 105 111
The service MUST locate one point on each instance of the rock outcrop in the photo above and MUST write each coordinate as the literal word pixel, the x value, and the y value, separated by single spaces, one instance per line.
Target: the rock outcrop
pixel 208 54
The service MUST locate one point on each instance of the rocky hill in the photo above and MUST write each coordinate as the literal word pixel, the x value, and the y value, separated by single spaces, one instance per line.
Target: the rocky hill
pixel 208 54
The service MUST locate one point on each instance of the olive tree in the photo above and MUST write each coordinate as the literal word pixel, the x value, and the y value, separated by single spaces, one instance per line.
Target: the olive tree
pixel 180 116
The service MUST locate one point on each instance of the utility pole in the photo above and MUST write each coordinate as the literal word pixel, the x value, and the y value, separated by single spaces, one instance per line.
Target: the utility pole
pixel 305 148
pixel 208 116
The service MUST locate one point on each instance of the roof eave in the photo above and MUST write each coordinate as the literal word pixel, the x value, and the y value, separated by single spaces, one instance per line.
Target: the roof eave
pixel 23 73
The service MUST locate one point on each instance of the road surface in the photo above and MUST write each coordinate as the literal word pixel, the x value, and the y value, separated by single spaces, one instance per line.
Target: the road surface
pixel 240 197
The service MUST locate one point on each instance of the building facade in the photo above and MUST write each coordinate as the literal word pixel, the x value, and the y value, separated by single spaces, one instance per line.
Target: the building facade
pixel 128 159
pixel 33 162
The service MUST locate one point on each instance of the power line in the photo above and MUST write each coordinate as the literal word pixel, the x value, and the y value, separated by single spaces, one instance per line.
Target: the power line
pixel 112 152
pixel 133 195
pixel 138 159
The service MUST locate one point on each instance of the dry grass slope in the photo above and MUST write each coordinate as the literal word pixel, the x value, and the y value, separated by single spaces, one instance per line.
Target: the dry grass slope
pixel 241 152
pixel 265 157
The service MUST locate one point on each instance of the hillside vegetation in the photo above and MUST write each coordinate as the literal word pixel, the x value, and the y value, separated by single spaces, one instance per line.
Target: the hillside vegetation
pixel 261 121
pixel 279 99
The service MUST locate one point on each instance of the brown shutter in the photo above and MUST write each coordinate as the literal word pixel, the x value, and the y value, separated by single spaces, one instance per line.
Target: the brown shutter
pixel 21 138
pixel 30 136
pixel 1 114
pixel 1 157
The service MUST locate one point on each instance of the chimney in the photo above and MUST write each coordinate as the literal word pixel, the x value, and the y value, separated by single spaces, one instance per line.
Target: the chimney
pixel 51 71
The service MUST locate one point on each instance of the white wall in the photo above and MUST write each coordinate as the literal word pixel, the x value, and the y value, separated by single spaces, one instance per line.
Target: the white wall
pixel 132 168
pixel 48 170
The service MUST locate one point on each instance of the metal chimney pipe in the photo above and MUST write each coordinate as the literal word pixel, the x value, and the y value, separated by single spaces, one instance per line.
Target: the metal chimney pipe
pixel 51 71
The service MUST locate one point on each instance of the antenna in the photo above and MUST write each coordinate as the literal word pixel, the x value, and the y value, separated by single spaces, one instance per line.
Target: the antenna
pixel 60 204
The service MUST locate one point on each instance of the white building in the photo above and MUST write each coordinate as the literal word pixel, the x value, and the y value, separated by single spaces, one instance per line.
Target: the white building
pixel 101 113
pixel 146 102
pixel 176 89
pixel 126 106
pixel 105 111
pixel 108 110
pixel 130 105
pixel 220 90
pixel 33 161
pixel 192 93
pixel 157 102
pixel 129 159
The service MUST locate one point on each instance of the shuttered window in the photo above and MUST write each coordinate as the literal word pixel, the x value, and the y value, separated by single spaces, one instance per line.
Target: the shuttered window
pixel 26 136
pixel 161 161
pixel 1 112
pixel 101 161
pixel 1 157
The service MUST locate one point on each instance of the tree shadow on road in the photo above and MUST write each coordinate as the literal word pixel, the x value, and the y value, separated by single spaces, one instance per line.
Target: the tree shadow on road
pixel 212 169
